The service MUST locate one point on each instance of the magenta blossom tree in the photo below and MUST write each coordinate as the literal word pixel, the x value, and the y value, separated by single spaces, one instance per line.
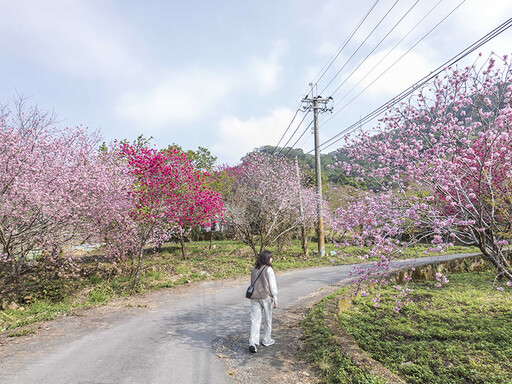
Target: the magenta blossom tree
pixel 169 195
pixel 444 164
pixel 200 206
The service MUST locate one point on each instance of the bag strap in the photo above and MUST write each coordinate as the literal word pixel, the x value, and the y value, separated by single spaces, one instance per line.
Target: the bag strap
pixel 258 275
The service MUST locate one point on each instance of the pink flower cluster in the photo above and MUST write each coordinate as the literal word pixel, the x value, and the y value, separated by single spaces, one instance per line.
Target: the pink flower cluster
pixel 443 166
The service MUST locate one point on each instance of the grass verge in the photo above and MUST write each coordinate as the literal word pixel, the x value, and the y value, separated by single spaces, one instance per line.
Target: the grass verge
pixel 321 349
pixel 458 333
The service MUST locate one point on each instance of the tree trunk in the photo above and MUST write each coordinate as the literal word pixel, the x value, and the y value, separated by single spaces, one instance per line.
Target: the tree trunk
pixel 498 260
pixel 264 243
pixel 504 268
pixel 139 265
pixel 248 239
pixel 280 244
pixel 304 236
pixel 211 239
pixel 182 242
pixel 253 247
pixel 17 265
pixel 132 259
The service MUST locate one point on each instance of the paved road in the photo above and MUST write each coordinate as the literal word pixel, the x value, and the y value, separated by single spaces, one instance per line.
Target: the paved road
pixel 169 341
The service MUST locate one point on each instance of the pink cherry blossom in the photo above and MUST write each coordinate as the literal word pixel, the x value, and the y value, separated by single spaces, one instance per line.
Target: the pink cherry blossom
pixel 56 188
pixel 442 166
pixel 268 200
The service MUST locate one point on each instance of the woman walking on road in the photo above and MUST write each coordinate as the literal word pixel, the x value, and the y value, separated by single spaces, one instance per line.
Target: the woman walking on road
pixel 263 299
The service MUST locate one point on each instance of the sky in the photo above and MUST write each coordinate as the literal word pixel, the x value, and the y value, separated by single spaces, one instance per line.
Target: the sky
pixel 228 75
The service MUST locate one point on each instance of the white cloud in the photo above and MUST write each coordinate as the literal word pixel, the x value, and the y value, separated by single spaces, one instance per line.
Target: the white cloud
pixel 264 72
pixel 86 40
pixel 238 137
pixel 265 75
pixel 326 49
pixel 182 97
pixel 333 19
pixel 69 36
pixel 476 18
pixel 190 95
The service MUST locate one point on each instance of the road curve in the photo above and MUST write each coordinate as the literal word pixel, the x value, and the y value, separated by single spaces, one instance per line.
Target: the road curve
pixel 167 341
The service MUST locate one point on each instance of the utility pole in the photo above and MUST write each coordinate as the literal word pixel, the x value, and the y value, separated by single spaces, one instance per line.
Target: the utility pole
pixel 303 231
pixel 318 105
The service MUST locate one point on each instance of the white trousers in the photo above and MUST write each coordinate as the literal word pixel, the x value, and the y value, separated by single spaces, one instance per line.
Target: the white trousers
pixel 257 307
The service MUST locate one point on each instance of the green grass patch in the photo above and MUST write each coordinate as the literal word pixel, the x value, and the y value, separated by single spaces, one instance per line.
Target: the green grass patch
pixel 54 291
pixel 99 296
pixel 95 279
pixel 23 332
pixel 324 353
pixel 40 310
pixel 458 333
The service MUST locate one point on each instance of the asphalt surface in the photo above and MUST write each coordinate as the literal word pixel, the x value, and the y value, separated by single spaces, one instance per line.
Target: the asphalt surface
pixel 169 339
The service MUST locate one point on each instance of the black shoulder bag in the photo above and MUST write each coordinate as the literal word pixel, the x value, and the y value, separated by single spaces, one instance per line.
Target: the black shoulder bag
pixel 250 290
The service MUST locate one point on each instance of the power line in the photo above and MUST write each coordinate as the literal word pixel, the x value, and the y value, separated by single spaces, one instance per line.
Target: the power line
pixel 422 82
pixel 300 137
pixel 389 52
pixel 479 43
pixel 331 61
pixel 360 45
pixel 287 128
pixel 326 67
pixel 394 63
pixel 342 47
pixel 305 140
pixel 293 134
pixel 376 46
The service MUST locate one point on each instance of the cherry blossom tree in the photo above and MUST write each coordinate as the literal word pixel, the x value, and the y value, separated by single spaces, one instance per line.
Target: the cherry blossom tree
pixel 443 164
pixel 200 206
pixel 169 195
pixel 55 186
pixel 264 203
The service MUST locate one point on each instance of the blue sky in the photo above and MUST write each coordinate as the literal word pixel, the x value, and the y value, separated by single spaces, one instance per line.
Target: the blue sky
pixel 226 75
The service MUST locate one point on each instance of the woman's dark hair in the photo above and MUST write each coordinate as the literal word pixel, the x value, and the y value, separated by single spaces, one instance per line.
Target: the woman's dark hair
pixel 263 259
